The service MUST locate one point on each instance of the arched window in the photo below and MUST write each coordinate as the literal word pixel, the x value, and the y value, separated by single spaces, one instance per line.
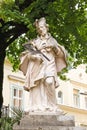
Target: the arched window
pixel 60 97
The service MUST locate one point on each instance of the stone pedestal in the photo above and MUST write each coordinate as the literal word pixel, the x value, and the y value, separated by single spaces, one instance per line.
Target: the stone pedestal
pixel 46 122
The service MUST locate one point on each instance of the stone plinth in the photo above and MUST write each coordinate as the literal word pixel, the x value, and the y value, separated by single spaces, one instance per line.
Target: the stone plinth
pixel 46 122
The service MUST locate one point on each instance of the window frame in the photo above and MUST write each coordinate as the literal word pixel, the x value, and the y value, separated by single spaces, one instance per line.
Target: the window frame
pixel 12 97
pixel 76 98
pixel 60 98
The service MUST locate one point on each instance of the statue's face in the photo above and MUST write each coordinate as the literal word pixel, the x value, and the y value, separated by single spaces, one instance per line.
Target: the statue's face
pixel 42 30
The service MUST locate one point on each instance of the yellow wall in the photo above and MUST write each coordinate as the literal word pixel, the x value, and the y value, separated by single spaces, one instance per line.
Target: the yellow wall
pixel 9 78
pixel 80 115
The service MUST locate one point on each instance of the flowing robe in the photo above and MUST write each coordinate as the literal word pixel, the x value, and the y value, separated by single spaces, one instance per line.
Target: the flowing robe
pixel 37 68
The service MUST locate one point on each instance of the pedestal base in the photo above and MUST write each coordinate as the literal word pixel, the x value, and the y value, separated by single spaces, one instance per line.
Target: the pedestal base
pixel 46 121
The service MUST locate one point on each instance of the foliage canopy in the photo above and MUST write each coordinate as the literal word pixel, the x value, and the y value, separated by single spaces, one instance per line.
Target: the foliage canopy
pixel 67 22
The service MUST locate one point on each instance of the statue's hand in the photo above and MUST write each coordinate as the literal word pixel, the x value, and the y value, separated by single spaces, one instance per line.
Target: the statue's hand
pixel 56 50
pixel 37 57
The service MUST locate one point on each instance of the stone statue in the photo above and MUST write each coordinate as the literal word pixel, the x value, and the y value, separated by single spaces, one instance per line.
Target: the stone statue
pixel 41 67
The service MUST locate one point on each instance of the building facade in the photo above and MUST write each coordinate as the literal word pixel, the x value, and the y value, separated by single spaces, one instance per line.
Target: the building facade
pixel 71 94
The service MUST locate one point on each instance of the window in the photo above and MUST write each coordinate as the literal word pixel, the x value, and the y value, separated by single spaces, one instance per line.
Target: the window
pixel 76 99
pixel 86 102
pixel 16 96
pixel 60 97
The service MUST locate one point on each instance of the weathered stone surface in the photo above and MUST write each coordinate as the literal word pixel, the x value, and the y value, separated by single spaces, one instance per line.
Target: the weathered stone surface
pixel 49 128
pixel 47 122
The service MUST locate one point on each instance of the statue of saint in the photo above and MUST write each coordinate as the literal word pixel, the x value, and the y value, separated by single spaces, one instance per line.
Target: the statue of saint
pixel 41 67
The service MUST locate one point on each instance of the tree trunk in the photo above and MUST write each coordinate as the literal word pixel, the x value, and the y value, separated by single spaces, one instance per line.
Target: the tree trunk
pixel 2 57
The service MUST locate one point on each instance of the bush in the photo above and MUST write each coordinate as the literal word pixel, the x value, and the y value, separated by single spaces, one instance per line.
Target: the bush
pixel 6 123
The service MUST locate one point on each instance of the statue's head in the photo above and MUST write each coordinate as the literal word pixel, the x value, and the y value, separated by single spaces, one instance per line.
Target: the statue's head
pixel 41 26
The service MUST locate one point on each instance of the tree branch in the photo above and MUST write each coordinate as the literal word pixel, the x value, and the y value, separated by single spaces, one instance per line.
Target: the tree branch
pixel 24 5
pixel 15 32
pixel 1 21
pixel 19 32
